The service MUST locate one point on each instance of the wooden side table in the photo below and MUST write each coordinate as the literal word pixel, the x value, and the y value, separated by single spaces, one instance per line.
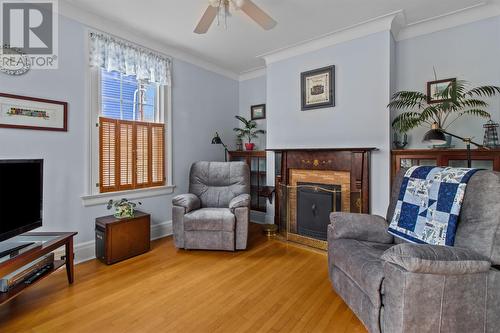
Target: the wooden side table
pixel 120 239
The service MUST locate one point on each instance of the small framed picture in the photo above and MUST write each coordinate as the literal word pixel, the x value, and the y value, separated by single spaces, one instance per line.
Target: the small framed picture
pixel 435 90
pixel 33 113
pixel 258 111
pixel 318 88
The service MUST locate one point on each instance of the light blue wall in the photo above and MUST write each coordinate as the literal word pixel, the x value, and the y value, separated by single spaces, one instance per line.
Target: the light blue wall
pixel 203 102
pixel 253 92
pixel 469 52
pixel 360 117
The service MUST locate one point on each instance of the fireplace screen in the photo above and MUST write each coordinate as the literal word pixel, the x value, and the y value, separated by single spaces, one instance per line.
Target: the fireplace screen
pixel 305 207
pixel 315 202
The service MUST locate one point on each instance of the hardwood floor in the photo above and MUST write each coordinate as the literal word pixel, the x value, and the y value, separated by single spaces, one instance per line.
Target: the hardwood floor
pixel 271 287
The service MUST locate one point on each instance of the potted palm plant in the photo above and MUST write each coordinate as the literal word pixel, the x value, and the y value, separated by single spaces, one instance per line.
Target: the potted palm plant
pixel 248 131
pixel 456 100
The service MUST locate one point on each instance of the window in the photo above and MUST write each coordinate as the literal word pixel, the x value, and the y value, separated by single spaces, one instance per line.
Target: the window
pixel 131 133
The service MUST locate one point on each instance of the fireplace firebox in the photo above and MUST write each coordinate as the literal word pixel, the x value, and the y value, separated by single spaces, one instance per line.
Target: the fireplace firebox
pixel 315 202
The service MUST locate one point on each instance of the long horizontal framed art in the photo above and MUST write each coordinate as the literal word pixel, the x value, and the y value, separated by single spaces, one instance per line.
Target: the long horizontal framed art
pixel 33 113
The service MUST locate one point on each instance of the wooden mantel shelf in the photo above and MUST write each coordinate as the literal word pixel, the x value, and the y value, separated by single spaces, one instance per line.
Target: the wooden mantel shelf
pixel 323 149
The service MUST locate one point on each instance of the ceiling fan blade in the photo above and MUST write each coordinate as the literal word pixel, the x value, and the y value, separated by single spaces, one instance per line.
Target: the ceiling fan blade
pixel 206 20
pixel 258 15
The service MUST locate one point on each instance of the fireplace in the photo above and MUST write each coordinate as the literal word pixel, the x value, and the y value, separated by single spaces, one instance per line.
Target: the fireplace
pixel 312 183
pixel 315 202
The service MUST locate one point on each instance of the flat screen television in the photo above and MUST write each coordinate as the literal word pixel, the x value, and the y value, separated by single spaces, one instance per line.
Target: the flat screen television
pixel 21 195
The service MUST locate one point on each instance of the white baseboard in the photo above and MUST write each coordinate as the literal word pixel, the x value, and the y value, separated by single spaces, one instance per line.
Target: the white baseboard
pixel 161 230
pixel 86 250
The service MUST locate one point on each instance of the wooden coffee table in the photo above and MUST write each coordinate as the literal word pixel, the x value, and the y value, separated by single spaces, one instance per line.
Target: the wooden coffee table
pixel 46 242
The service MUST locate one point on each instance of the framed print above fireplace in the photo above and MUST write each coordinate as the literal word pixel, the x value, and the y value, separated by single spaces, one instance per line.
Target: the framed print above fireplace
pixel 33 113
pixel 318 88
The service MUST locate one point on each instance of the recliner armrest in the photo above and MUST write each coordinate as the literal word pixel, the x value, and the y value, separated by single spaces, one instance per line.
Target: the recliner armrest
pixel 436 259
pixel 189 201
pixel 364 227
pixel 242 200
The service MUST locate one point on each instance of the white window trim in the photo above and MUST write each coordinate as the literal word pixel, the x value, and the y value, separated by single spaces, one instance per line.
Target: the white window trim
pixel 92 195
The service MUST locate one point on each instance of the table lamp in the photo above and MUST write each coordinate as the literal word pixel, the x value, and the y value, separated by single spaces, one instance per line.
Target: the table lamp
pixel 436 136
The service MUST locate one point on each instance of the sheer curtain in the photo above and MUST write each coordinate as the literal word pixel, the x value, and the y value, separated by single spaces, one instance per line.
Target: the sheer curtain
pixel 115 54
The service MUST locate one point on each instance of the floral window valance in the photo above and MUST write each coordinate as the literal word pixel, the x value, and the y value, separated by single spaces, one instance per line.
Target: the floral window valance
pixel 114 54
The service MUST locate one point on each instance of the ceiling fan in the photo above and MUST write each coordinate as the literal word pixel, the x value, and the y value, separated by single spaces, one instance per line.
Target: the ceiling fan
pixel 222 9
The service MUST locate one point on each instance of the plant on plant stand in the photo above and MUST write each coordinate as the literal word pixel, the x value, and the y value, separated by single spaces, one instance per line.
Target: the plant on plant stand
pixel 123 208
pixel 249 131
pixel 458 100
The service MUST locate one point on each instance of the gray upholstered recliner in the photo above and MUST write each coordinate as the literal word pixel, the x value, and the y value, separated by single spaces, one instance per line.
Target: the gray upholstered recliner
pixel 393 286
pixel 215 213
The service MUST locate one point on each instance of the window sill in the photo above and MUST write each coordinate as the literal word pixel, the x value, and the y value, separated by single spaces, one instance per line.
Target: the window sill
pixel 102 198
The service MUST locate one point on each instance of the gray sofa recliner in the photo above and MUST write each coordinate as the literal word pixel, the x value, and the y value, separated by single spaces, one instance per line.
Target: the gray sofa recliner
pixel 394 286
pixel 214 214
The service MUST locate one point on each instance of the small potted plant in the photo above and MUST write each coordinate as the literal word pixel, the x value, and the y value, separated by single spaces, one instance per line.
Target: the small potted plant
pixel 248 131
pixel 123 208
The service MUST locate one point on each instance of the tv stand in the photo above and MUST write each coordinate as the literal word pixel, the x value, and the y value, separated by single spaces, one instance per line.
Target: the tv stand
pixel 7 249
pixel 48 242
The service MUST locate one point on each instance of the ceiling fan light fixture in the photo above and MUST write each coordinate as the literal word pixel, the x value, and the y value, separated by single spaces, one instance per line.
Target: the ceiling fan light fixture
pixel 214 3
pixel 238 3
pixel 221 9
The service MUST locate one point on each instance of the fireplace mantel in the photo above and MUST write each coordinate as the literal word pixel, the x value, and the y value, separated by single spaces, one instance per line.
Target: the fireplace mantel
pixel 349 167
pixel 322 149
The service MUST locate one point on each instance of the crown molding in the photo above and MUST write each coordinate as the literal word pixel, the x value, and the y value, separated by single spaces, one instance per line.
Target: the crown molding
pixel 394 22
pixel 456 18
pixel 95 21
pixel 378 24
pixel 252 74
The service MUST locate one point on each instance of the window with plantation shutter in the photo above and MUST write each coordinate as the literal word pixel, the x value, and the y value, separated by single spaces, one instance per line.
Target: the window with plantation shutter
pixel 131 135
pixel 130 120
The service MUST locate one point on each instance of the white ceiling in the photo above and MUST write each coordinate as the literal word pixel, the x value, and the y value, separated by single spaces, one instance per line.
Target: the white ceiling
pixel 236 49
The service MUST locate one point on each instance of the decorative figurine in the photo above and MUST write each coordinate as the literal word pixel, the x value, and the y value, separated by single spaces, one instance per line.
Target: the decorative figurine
pixel 490 134
pixel 400 144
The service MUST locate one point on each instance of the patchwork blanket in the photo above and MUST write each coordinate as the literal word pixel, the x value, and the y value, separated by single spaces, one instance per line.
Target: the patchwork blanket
pixel 429 204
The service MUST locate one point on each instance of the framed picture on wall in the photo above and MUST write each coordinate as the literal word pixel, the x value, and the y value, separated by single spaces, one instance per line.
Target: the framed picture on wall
pixel 33 113
pixel 435 90
pixel 258 111
pixel 318 88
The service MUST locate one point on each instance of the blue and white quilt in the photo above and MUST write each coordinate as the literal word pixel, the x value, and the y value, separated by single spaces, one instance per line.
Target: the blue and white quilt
pixel 429 204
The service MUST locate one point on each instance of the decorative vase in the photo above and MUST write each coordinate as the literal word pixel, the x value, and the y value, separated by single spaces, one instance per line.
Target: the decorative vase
pixel 249 146
pixel 124 211
pixel 239 145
